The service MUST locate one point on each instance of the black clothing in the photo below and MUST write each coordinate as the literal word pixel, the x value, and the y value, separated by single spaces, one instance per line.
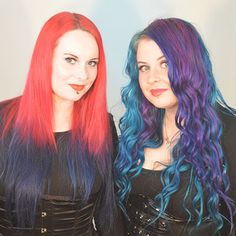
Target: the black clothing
pixel 55 217
pixel 142 210
pixel 59 213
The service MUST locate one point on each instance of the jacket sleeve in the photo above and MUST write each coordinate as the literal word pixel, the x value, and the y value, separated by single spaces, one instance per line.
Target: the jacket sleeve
pixel 115 141
pixel 229 150
pixel 118 228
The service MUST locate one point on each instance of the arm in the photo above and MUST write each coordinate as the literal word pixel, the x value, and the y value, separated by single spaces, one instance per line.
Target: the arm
pixel 229 149
pixel 118 223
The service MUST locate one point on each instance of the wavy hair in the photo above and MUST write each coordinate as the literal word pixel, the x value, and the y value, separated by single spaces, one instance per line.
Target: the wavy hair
pixel 198 149
pixel 28 121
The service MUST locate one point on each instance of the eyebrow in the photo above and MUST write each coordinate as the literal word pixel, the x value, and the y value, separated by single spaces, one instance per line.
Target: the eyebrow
pixel 70 54
pixel 161 57
pixel 158 59
pixel 95 58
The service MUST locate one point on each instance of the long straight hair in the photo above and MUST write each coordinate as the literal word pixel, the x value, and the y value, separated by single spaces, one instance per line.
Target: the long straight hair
pixel 198 149
pixel 28 121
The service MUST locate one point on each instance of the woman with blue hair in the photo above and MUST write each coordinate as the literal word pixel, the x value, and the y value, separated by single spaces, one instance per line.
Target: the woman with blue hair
pixel 175 169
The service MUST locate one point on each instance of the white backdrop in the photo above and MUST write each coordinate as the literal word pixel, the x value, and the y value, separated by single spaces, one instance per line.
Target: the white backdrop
pixel 21 21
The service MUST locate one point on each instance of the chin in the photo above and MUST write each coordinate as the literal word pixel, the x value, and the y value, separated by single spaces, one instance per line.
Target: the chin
pixel 164 105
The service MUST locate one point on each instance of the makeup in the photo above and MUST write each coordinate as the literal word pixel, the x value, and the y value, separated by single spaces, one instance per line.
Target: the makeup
pixel 77 87
pixel 157 92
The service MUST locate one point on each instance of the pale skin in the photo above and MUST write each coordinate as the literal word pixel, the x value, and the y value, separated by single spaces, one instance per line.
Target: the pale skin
pixel 155 85
pixel 74 70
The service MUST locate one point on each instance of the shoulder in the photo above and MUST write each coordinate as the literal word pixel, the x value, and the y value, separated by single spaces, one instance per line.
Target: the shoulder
pixel 8 110
pixel 113 126
pixel 110 116
pixel 228 120
pixel 114 136
pixel 9 103
pixel 112 123
pixel 228 138
pixel 228 142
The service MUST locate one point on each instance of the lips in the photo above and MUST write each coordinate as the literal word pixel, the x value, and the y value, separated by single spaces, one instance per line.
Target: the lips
pixel 157 92
pixel 77 87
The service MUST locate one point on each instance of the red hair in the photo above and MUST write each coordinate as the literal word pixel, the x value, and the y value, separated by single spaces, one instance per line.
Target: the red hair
pixel 34 114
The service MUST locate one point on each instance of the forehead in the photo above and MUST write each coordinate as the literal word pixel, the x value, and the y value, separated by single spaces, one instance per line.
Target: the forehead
pixel 77 42
pixel 148 49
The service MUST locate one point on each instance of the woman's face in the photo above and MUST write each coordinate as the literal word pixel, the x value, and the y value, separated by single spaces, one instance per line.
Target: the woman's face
pixel 74 66
pixel 153 75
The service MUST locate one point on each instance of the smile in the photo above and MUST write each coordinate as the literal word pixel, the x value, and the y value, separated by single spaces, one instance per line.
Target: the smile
pixel 157 92
pixel 77 87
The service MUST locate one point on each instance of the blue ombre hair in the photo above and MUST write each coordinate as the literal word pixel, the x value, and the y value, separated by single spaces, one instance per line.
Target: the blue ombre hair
pixel 198 149
pixel 28 143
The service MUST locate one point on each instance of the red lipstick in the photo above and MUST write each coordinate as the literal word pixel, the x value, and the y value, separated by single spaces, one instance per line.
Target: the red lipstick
pixel 77 87
pixel 157 92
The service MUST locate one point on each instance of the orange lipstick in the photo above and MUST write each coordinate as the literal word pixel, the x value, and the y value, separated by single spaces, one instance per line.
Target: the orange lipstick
pixel 157 92
pixel 77 87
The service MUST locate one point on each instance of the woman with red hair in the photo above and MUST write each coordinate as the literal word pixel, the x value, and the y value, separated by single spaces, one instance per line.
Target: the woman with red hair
pixel 57 138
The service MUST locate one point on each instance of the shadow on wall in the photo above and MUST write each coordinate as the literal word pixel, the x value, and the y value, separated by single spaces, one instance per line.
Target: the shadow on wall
pixel 221 37
pixel 15 39
pixel 117 21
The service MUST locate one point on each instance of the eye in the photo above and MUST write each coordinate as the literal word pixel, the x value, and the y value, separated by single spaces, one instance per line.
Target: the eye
pixel 164 64
pixel 93 63
pixel 143 68
pixel 70 60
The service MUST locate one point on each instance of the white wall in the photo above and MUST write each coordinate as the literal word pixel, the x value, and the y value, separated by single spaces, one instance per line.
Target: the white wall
pixel 21 21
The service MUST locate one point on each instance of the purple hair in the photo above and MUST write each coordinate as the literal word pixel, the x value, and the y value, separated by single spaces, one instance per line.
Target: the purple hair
pixel 199 149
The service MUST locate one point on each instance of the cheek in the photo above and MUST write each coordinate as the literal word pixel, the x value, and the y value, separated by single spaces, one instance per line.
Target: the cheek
pixel 172 98
pixel 145 91
pixel 54 84
pixel 61 70
pixel 93 74
pixel 141 84
pixel 58 79
pixel 175 98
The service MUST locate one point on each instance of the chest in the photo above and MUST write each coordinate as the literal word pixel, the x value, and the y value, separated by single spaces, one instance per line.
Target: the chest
pixel 157 158
pixel 149 184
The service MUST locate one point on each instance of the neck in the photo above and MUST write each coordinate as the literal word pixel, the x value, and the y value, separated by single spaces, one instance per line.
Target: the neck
pixel 169 117
pixel 170 130
pixel 62 115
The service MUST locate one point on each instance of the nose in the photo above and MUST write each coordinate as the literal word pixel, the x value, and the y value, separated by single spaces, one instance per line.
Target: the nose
pixel 81 73
pixel 154 76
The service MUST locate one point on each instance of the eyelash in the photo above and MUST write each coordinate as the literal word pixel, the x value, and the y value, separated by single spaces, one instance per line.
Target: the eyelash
pixel 164 64
pixel 143 68
pixel 71 60
pixel 93 63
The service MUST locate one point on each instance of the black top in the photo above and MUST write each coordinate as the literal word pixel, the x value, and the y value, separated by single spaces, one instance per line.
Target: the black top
pixel 148 184
pixel 59 213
